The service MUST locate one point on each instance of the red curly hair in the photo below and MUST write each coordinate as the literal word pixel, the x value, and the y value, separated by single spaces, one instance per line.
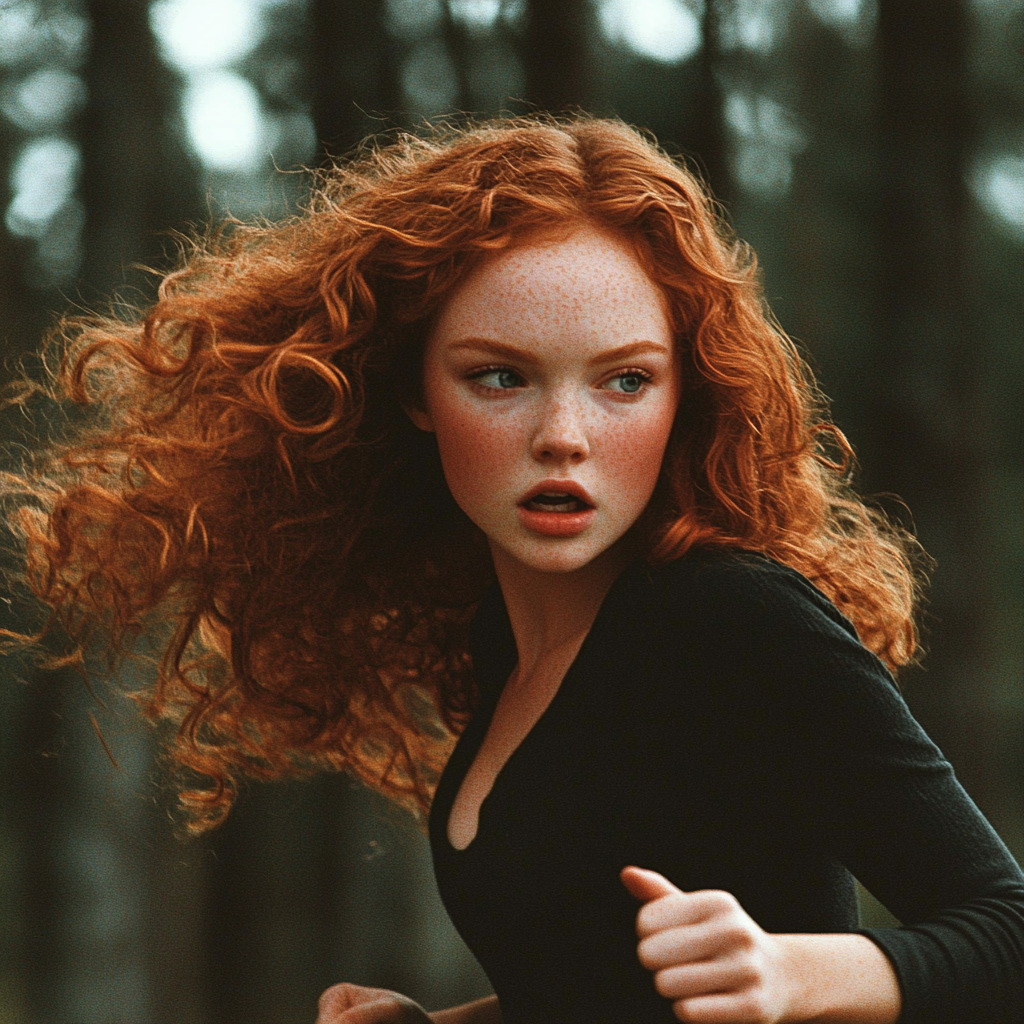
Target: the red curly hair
pixel 250 493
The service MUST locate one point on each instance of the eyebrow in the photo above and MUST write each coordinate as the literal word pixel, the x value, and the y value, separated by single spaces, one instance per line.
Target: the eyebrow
pixel 611 355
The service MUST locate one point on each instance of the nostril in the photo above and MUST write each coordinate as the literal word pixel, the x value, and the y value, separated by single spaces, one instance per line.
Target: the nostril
pixel 567 445
pixel 555 453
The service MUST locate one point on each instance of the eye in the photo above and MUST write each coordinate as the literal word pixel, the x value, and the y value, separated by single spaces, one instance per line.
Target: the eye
pixel 630 382
pixel 500 378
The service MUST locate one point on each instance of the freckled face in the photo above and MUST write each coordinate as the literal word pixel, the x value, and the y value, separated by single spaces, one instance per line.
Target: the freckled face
pixel 553 367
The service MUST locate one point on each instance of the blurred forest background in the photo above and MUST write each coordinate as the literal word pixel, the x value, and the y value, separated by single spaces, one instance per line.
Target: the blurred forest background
pixel 872 151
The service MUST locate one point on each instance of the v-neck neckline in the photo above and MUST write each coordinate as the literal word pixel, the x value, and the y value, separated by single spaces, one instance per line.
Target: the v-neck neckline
pixel 501 635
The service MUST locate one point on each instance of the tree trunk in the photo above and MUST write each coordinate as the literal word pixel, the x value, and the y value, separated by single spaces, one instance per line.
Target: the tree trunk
pixel 706 137
pixel 137 180
pixel 352 73
pixel 929 433
pixel 555 54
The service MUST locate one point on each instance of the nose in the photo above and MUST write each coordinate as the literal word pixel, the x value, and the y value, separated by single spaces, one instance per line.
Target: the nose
pixel 560 434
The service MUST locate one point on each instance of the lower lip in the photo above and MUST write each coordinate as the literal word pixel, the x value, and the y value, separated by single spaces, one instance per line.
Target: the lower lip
pixel 555 524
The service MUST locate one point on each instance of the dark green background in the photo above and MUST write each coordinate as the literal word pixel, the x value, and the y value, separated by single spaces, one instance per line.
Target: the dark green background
pixel 854 145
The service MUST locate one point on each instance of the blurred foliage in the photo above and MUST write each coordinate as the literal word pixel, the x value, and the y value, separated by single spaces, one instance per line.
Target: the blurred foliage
pixel 870 151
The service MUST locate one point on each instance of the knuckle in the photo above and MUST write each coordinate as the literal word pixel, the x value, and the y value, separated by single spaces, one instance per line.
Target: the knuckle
pixel 748 973
pixel 737 935
pixel 755 1007
pixel 335 1000
pixel 722 900
pixel 740 932
pixel 333 995
pixel 744 973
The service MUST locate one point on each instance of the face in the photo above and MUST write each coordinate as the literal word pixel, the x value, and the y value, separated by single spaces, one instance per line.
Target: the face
pixel 551 380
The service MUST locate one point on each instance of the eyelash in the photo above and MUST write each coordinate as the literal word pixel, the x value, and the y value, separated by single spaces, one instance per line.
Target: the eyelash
pixel 631 371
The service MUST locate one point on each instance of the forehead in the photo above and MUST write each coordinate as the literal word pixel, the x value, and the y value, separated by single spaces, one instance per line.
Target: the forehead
pixel 586 280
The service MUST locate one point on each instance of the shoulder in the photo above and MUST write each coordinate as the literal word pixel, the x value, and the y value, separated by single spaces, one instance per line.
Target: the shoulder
pixel 738 593
pixel 760 633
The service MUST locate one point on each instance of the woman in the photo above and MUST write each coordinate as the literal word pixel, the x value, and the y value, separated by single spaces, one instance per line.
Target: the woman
pixel 518 379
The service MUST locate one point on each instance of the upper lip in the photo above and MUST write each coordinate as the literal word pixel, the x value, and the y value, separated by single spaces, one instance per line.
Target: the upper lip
pixel 569 487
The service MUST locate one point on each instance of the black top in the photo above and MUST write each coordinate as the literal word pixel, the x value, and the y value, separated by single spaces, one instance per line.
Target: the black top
pixel 722 725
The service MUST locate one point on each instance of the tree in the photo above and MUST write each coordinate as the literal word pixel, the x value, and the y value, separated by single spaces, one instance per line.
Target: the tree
pixel 928 438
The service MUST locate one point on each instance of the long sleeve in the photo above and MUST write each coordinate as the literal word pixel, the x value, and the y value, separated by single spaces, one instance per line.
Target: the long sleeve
pixel 890 807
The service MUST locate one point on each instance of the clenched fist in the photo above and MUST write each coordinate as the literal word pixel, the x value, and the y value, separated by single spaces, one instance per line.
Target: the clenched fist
pixel 707 954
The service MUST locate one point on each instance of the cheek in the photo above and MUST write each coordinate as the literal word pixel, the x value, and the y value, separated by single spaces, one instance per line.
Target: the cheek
pixel 475 452
pixel 634 454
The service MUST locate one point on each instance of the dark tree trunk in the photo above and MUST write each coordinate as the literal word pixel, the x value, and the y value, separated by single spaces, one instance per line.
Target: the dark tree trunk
pixel 137 181
pixel 929 430
pixel 706 137
pixel 352 73
pixel 555 54
pixel 21 313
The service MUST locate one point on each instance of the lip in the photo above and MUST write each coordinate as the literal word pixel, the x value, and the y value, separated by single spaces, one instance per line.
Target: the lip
pixel 557 524
pixel 558 487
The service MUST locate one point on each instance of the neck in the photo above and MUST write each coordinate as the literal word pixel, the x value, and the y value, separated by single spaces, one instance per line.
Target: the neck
pixel 550 611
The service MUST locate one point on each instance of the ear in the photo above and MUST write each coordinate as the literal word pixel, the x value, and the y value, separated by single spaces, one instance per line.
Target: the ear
pixel 420 417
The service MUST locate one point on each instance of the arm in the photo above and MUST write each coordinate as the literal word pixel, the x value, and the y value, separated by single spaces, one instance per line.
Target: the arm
pixel 714 962
pixel 872 792
pixel 891 809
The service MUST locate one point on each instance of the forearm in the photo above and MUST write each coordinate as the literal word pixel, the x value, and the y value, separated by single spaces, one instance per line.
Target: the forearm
pixel 483 1011
pixel 839 979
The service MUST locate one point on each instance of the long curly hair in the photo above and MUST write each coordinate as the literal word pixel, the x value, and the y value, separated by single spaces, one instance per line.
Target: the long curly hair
pixel 248 498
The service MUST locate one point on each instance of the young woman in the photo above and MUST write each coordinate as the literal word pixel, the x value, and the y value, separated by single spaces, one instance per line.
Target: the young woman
pixel 490 480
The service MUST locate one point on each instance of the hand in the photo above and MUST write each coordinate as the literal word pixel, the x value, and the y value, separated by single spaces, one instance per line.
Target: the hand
pixel 707 954
pixel 357 1004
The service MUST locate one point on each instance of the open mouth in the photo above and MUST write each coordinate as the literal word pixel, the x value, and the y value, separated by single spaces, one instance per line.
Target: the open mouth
pixel 552 501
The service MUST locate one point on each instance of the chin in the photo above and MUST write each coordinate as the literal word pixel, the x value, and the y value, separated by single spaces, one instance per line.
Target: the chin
pixel 557 556
pixel 562 564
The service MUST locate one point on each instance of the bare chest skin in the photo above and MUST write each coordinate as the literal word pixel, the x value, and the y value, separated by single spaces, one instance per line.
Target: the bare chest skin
pixel 521 704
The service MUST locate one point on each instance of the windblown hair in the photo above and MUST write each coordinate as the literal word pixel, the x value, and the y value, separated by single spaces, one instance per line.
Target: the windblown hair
pixel 249 491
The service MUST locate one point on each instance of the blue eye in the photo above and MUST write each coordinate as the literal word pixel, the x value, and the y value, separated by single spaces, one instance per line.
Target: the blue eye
pixel 500 379
pixel 630 383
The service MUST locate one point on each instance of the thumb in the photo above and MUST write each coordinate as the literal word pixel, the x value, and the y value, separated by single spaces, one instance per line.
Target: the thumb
pixel 646 885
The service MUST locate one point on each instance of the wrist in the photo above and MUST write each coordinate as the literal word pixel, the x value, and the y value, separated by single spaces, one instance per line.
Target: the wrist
pixel 838 979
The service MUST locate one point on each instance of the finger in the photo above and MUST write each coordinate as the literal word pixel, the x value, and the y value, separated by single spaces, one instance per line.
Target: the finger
pixel 352 1000
pixel 646 885
pixel 687 908
pixel 701 979
pixel 377 1011
pixel 675 946
pixel 337 999
pixel 381 1011
pixel 723 1008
